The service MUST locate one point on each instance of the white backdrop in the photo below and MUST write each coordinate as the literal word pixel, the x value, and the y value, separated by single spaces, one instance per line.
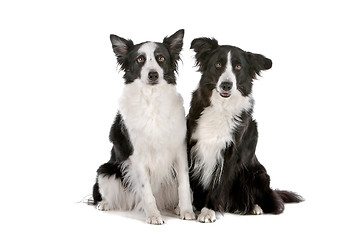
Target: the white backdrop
pixel 59 87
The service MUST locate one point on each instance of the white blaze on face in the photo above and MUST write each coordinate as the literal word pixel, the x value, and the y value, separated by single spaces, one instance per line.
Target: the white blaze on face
pixel 151 65
pixel 227 76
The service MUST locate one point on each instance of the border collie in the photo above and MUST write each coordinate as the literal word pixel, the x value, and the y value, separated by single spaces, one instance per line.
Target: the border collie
pixel 225 174
pixel 148 166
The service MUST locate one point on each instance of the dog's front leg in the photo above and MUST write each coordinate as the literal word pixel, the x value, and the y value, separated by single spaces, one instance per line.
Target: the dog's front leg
pixel 147 197
pixel 182 171
pixel 207 215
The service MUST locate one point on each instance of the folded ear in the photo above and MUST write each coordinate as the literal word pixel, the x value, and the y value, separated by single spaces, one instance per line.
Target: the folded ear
pixel 174 44
pixel 258 63
pixel 121 47
pixel 203 47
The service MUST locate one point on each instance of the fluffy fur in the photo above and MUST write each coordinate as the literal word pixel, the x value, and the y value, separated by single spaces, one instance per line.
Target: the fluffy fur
pixel 225 174
pixel 148 166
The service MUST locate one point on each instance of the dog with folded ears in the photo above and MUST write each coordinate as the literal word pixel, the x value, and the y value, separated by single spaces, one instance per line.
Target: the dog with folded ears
pixel 225 174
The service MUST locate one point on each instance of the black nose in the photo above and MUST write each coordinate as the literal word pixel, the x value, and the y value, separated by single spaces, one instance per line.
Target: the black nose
pixel 226 86
pixel 153 76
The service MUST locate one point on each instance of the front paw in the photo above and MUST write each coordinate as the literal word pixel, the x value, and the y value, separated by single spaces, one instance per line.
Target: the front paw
pixel 257 210
pixel 156 220
pixel 187 215
pixel 207 216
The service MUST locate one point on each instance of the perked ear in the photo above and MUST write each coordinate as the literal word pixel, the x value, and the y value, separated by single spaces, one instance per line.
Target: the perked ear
pixel 174 44
pixel 121 47
pixel 203 47
pixel 258 62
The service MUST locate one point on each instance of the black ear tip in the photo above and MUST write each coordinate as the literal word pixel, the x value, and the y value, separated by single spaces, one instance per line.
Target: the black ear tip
pixel 176 38
pixel 114 38
pixel 194 42
pixel 180 33
pixel 209 43
pixel 267 63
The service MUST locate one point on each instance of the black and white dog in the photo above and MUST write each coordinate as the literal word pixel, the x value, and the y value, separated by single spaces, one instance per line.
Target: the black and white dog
pixel 148 168
pixel 225 174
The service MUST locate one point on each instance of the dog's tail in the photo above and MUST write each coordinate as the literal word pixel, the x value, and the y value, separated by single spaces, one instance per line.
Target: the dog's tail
pixel 274 201
pixel 289 197
pixel 88 199
pixel 96 196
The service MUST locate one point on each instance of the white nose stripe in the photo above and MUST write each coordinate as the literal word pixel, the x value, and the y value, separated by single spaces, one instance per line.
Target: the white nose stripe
pixel 228 75
pixel 151 65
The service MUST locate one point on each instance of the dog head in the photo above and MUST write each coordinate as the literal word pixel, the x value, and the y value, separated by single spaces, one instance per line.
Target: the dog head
pixel 227 68
pixel 149 62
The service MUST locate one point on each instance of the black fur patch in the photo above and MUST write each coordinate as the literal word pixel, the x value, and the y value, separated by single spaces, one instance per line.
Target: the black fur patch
pixel 244 181
pixel 121 150
pixel 126 54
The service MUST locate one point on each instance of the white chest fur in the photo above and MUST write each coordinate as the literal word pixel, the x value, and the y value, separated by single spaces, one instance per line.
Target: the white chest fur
pixel 214 132
pixel 155 119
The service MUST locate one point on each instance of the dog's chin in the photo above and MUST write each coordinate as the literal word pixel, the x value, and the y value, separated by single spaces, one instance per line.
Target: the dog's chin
pixel 225 94
pixel 152 83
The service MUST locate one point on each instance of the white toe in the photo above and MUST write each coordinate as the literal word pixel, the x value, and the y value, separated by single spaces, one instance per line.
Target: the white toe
pixel 207 216
pixel 257 210
pixel 156 220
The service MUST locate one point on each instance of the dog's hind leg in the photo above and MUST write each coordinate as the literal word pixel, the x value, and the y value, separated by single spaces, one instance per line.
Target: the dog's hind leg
pixel 268 200
pixel 110 190
pixel 115 195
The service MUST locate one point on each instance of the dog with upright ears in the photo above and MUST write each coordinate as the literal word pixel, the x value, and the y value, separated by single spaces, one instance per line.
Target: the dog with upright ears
pixel 148 166
pixel 225 174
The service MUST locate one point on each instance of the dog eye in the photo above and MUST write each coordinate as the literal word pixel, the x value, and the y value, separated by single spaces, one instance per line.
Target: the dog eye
pixel 140 59
pixel 161 58
pixel 238 67
pixel 218 65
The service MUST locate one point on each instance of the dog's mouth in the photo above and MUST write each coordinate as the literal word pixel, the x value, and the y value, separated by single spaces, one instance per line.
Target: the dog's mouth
pixel 225 94
pixel 152 82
